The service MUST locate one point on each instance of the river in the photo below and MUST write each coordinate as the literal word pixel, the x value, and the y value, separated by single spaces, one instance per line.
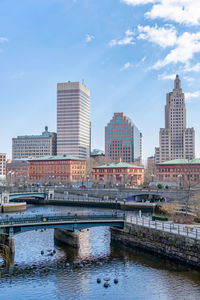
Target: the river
pixel 140 275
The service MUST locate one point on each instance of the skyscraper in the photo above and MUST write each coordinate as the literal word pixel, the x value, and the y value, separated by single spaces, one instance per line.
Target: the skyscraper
pixel 123 140
pixel 176 141
pixel 73 119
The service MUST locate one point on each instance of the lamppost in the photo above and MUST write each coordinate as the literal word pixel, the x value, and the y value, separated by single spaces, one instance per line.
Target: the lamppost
pixel 11 177
pixel 87 177
pixel 152 176
pixel 180 176
pixel 131 182
pixel 120 176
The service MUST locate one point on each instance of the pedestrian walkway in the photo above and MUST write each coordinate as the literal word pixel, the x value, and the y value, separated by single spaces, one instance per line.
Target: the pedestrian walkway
pixel 191 231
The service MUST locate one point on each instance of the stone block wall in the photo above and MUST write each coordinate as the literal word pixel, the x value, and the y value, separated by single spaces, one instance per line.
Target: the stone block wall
pixel 178 247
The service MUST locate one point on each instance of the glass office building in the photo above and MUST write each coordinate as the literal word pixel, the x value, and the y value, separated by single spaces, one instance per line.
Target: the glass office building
pixel 123 140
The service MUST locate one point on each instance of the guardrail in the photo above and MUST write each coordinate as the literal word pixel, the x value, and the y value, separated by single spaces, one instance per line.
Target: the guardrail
pixel 181 229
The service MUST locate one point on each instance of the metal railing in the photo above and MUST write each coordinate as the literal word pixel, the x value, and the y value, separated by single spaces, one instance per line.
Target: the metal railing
pixel 49 219
pixel 180 229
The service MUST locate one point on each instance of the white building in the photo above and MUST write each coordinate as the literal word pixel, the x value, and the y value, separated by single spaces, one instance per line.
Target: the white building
pixel 73 119
pixel 28 146
pixel 176 141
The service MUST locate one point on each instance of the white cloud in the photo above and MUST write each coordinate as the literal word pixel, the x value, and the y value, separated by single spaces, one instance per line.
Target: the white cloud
pixel 143 59
pixel 166 76
pixel 195 68
pixel 180 11
pixel 189 79
pixel 3 40
pixel 89 38
pixel 187 45
pixel 126 66
pixel 190 96
pixel 126 40
pixel 158 35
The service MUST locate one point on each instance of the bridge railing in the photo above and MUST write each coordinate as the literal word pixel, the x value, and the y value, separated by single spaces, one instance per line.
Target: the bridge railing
pixel 48 219
pixel 180 229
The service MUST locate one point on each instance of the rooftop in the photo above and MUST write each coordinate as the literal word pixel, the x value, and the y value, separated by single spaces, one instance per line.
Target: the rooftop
pixel 118 165
pixel 182 161
pixel 56 157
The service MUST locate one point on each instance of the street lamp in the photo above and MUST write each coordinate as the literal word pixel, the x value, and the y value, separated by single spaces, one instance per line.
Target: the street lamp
pixel 120 176
pixel 87 177
pixel 180 176
pixel 152 176
pixel 131 180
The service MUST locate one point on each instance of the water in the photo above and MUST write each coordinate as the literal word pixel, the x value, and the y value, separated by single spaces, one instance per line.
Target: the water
pixel 141 275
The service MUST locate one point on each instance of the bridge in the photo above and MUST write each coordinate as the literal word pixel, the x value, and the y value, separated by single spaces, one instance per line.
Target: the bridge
pixel 12 226
pixel 120 194
pixel 26 195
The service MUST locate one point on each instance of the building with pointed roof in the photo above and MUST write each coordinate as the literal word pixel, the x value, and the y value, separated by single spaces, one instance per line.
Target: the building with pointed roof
pixel 176 141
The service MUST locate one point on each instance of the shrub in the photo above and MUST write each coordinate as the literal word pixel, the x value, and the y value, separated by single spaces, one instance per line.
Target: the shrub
pixel 166 187
pixel 197 220
pixel 159 186
pixel 159 218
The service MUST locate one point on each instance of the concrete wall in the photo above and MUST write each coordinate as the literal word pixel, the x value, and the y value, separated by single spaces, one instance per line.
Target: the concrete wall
pixel 66 237
pixel 177 247
pixel 13 207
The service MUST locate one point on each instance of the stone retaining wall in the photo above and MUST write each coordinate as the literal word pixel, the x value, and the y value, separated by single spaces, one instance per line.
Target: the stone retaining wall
pixel 178 247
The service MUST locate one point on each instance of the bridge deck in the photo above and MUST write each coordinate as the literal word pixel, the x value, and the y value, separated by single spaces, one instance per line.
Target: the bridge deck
pixel 68 222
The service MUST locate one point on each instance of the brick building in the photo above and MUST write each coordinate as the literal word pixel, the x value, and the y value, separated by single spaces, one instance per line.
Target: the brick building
pixel 63 168
pixel 17 171
pixel 119 172
pixel 180 171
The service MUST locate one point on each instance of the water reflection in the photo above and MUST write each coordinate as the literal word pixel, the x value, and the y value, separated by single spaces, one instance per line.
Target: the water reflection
pixel 141 275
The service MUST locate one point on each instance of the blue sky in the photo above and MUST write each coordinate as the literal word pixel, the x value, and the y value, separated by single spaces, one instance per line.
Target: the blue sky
pixel 126 51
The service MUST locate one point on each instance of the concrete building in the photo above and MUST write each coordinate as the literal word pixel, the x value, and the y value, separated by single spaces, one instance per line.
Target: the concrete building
pixel 176 141
pixel 119 172
pixel 123 140
pixel 61 168
pixel 28 146
pixel 2 166
pixel 73 119
pixel 17 171
pixel 184 172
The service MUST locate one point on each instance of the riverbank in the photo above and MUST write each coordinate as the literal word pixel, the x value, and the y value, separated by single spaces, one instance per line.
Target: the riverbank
pixel 13 207
pixel 179 247
pixel 107 204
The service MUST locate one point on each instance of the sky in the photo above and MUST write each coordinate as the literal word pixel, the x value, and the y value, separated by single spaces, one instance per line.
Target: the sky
pixel 127 52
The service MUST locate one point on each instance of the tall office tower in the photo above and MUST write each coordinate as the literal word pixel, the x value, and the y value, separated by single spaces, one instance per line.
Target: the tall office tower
pixel 73 119
pixel 123 140
pixel 176 141
pixel 2 165
pixel 27 146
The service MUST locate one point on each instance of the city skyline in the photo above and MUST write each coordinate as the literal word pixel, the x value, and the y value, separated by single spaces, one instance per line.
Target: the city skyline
pixel 128 65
